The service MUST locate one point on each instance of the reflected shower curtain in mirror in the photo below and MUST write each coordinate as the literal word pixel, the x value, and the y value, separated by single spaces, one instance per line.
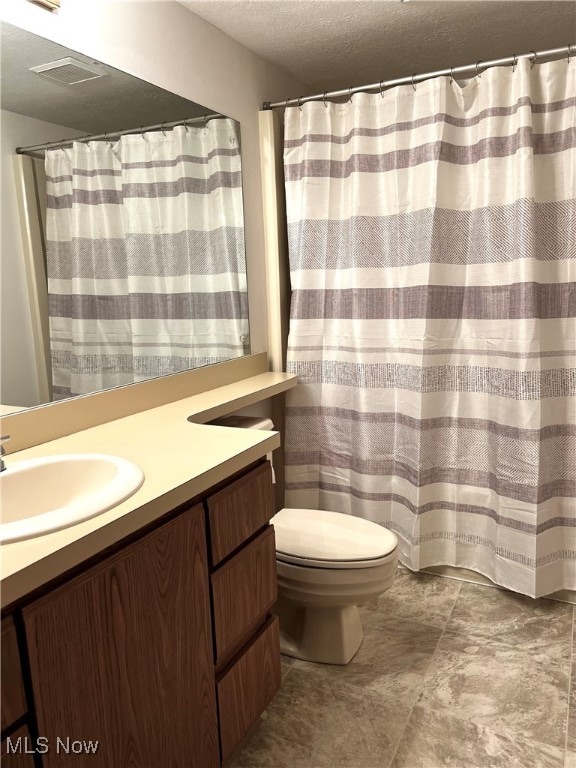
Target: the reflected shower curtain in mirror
pixel 433 266
pixel 145 256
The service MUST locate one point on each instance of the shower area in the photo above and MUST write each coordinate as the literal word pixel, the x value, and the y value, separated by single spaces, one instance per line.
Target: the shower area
pixel 431 228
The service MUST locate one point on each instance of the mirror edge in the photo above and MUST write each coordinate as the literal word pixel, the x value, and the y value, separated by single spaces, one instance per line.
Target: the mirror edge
pixel 50 421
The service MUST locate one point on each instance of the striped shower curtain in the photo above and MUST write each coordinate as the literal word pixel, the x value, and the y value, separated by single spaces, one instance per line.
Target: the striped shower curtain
pixel 432 237
pixel 145 256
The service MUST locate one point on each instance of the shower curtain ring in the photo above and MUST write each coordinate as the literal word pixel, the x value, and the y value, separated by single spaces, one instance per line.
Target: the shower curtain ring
pixel 514 62
pixel 142 133
pixel 324 99
pixel 478 75
pixel 381 89
pixel 569 52
pixel 299 105
pixel 162 129
pixel 349 93
pixel 413 76
pixel 534 59
pixel 451 75
pixel 286 105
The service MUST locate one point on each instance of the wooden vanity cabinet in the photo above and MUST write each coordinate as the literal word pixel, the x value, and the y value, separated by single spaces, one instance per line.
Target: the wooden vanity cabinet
pixel 14 748
pixel 122 655
pixel 164 652
pixel 13 699
pixel 13 713
pixel 243 589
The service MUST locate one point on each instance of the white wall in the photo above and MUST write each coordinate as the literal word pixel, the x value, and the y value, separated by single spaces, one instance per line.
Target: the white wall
pixel 18 381
pixel 166 44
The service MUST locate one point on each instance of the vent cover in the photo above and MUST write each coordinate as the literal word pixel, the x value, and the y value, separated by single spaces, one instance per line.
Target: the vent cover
pixel 50 4
pixel 69 71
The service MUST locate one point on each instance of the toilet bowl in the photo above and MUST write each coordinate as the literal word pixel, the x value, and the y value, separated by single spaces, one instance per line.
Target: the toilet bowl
pixel 328 564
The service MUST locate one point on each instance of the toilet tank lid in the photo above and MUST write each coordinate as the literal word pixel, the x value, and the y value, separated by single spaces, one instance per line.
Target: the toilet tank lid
pixel 321 535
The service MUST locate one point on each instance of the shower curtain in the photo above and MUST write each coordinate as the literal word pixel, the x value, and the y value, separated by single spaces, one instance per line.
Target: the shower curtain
pixel 432 241
pixel 145 256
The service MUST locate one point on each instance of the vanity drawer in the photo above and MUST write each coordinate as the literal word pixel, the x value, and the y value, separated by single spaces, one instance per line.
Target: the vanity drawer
pixel 13 701
pixel 239 510
pixel 247 688
pixel 243 591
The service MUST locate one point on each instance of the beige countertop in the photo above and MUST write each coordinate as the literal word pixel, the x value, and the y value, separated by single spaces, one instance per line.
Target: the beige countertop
pixel 180 460
pixel 5 409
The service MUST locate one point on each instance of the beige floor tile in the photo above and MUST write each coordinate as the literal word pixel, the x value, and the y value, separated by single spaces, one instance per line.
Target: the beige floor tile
pixel 286 667
pixel 435 739
pixel 500 687
pixel 315 723
pixel 535 626
pixel 421 597
pixel 571 740
pixel 487 669
pixel 393 659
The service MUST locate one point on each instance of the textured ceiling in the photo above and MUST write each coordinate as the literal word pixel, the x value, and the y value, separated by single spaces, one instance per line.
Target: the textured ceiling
pixel 333 44
pixel 116 101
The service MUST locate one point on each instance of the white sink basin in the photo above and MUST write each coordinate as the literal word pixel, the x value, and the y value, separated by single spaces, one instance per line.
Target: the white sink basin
pixel 43 495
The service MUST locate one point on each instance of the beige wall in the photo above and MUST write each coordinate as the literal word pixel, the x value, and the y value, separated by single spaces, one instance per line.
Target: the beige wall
pixel 166 44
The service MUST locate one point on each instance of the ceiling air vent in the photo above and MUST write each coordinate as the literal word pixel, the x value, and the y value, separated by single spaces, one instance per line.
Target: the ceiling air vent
pixel 50 4
pixel 70 71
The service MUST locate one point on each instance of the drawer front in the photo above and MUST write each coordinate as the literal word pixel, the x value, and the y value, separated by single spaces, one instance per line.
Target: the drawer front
pixel 239 510
pixel 243 591
pixel 13 701
pixel 17 749
pixel 248 687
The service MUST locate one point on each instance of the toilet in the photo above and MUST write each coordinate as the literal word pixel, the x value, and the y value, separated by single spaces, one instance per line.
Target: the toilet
pixel 328 564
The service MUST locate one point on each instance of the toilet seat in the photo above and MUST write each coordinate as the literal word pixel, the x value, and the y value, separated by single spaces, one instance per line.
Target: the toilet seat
pixel 331 564
pixel 320 539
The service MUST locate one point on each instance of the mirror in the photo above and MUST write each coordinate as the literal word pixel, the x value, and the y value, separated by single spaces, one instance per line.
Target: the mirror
pixel 123 252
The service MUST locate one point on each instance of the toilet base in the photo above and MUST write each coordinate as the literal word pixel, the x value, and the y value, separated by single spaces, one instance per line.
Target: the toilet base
pixel 328 634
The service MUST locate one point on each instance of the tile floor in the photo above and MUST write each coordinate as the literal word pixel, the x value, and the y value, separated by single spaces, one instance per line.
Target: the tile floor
pixel 449 674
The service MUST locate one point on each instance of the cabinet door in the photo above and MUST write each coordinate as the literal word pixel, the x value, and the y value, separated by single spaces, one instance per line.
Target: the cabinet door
pixel 122 655
pixel 17 749
pixel 13 703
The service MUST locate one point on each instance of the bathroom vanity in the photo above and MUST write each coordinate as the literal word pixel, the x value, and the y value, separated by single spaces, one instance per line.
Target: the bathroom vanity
pixel 162 648
pixel 148 628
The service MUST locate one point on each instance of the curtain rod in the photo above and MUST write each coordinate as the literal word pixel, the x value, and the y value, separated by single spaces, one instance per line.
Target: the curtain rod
pixel 38 148
pixel 415 78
